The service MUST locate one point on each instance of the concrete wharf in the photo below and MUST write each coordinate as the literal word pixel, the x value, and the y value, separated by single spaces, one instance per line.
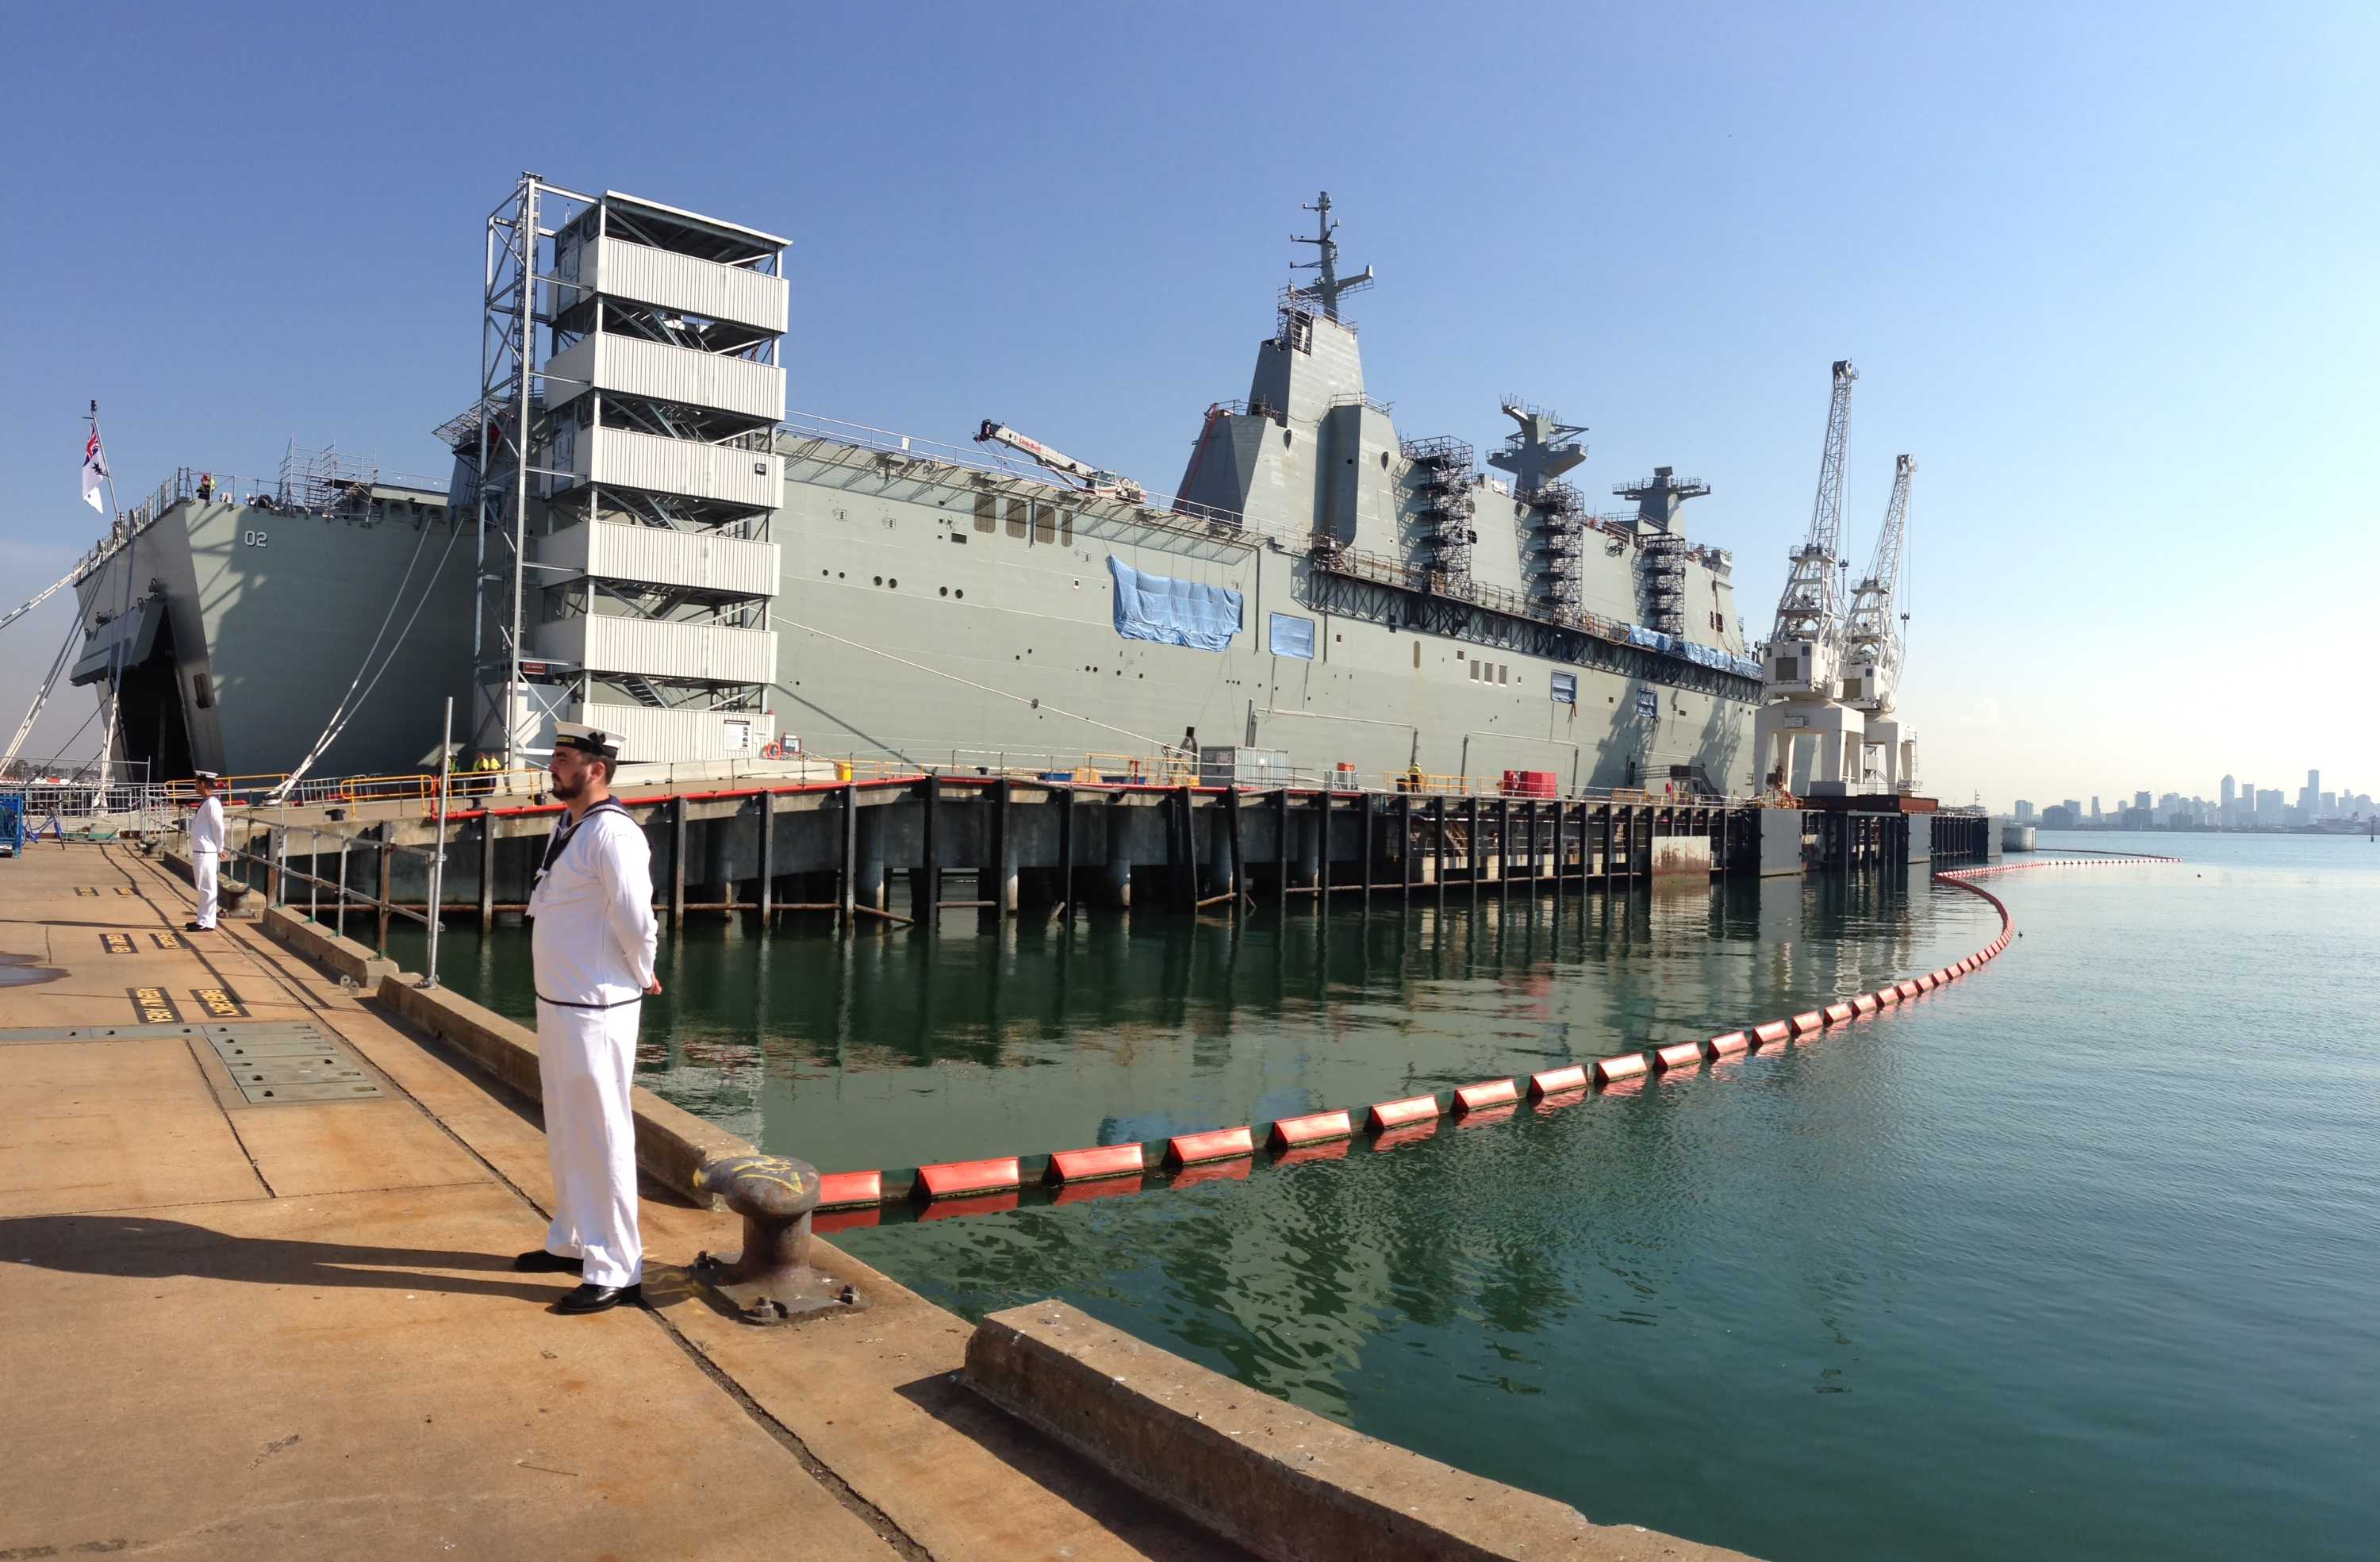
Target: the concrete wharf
pixel 255 1231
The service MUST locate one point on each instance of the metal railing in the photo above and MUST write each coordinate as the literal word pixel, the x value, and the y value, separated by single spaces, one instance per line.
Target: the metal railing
pixel 275 862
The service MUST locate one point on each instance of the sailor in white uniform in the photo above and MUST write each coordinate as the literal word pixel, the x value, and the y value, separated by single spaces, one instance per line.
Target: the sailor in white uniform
pixel 591 945
pixel 206 851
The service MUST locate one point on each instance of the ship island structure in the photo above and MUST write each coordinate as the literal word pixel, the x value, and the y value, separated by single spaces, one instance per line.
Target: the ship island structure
pixel 635 534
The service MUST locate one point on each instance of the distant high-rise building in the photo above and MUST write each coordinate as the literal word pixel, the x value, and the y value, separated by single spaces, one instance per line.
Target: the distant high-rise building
pixel 2095 807
pixel 2329 804
pixel 2141 799
pixel 2074 806
pixel 2023 811
pixel 2227 793
pixel 2269 803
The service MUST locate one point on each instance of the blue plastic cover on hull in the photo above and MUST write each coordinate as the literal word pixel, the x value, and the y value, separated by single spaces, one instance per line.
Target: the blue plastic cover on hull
pixel 1173 612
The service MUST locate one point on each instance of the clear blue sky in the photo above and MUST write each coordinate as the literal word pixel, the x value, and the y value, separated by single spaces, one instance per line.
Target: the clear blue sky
pixel 2109 271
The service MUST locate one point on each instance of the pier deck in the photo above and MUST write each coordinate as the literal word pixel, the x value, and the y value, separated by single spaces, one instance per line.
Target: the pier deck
pixel 290 1329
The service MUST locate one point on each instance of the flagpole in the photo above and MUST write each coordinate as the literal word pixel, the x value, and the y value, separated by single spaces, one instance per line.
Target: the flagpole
pixel 116 652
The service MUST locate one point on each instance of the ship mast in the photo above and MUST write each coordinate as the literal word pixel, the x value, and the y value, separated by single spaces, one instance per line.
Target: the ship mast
pixel 1327 288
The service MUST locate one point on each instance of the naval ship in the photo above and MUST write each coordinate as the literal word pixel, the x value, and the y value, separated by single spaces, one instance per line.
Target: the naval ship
pixel 659 549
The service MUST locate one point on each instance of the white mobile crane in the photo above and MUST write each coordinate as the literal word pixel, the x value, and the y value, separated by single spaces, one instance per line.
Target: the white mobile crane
pixel 1801 664
pixel 1093 480
pixel 1874 641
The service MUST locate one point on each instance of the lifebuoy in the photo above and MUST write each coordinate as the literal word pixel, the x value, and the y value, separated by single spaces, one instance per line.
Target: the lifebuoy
pixel 773 751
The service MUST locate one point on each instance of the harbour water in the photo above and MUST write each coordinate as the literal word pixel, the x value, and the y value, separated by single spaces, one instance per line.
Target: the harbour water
pixel 2073 1259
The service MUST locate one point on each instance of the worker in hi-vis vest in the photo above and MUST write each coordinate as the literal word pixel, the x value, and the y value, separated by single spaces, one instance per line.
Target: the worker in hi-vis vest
pixel 591 947
pixel 206 851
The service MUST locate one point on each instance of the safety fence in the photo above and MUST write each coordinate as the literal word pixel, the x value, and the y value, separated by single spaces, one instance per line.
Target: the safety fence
pixel 849 1199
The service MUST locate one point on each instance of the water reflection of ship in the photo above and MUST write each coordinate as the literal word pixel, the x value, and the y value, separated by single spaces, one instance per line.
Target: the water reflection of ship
pixel 1246 1018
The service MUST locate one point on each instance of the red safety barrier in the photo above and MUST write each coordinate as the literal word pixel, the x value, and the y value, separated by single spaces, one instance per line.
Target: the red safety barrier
pixel 1927 984
pixel 1396 1114
pixel 1313 1128
pixel 1215 1144
pixel 1943 976
pixel 826 1222
pixel 954 1179
pixel 1907 989
pixel 1625 1066
pixel 1839 1013
pixel 1553 1081
pixel 1812 1020
pixel 1684 1055
pixel 1494 1093
pixel 1326 1150
pixel 1106 1160
pixel 1486 1115
pixel 841 1190
pixel 1864 1003
pixel 1411 1133
pixel 1772 1032
pixel 1888 995
pixel 1728 1045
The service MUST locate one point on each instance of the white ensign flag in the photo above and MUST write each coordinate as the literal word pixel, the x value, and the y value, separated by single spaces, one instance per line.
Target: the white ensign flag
pixel 94 469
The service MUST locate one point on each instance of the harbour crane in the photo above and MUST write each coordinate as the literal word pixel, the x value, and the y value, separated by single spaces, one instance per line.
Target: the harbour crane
pixel 1095 481
pixel 1875 639
pixel 1802 663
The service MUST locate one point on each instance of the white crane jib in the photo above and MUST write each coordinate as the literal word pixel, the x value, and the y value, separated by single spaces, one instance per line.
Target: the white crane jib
pixel 1806 648
pixel 1095 481
pixel 1873 642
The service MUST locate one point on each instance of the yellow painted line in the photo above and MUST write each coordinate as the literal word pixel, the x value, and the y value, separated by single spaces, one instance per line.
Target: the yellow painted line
pixel 153 1005
pixel 220 1003
pixel 169 940
pixel 116 944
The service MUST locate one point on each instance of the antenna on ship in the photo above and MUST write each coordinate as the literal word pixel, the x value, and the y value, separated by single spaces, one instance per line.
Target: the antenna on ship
pixel 1327 289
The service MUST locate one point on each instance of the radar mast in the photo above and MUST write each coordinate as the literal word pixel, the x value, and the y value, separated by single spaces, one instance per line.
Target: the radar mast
pixel 1327 288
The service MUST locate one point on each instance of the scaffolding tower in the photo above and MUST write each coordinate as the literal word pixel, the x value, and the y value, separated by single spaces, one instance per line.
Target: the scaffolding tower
pixel 620 465
pixel 1446 475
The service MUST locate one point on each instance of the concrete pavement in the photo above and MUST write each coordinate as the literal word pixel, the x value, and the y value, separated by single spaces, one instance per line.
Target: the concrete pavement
pixel 265 1330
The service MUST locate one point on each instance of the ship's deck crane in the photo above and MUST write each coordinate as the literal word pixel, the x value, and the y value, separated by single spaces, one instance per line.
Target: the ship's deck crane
pixel 1801 664
pixel 1875 639
pixel 1095 481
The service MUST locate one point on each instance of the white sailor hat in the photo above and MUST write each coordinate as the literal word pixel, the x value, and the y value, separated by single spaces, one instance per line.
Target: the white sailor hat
pixel 205 775
pixel 586 740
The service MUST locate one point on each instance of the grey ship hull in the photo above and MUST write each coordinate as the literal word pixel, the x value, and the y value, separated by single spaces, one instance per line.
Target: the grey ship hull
pixel 904 630
pixel 1392 614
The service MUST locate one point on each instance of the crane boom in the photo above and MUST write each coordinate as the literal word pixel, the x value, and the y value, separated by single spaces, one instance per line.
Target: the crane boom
pixel 1094 480
pixel 1873 638
pixel 1807 644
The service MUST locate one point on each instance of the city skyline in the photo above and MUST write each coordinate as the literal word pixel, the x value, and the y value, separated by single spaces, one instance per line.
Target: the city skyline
pixel 2237 803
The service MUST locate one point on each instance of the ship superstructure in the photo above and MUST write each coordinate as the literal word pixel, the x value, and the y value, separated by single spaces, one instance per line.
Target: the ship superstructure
pixel 676 558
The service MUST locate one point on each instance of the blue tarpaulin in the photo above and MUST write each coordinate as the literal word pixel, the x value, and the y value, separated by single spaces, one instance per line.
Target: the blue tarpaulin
pixel 1173 612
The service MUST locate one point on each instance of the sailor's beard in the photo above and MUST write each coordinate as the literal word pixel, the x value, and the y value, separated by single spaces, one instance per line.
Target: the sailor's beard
pixel 568 792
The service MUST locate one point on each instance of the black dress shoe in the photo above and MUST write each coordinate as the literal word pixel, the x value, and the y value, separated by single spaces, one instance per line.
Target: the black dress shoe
pixel 194 927
pixel 539 1262
pixel 598 1298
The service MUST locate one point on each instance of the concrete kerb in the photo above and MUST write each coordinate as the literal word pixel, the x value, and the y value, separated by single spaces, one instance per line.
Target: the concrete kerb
pixel 672 1143
pixel 1284 1484
pixel 311 941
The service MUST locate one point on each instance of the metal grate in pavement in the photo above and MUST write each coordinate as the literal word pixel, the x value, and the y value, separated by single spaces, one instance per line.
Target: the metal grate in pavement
pixel 289 1061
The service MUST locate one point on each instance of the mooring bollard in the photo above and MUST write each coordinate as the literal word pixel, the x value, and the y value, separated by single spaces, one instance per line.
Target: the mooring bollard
pixel 771 1281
